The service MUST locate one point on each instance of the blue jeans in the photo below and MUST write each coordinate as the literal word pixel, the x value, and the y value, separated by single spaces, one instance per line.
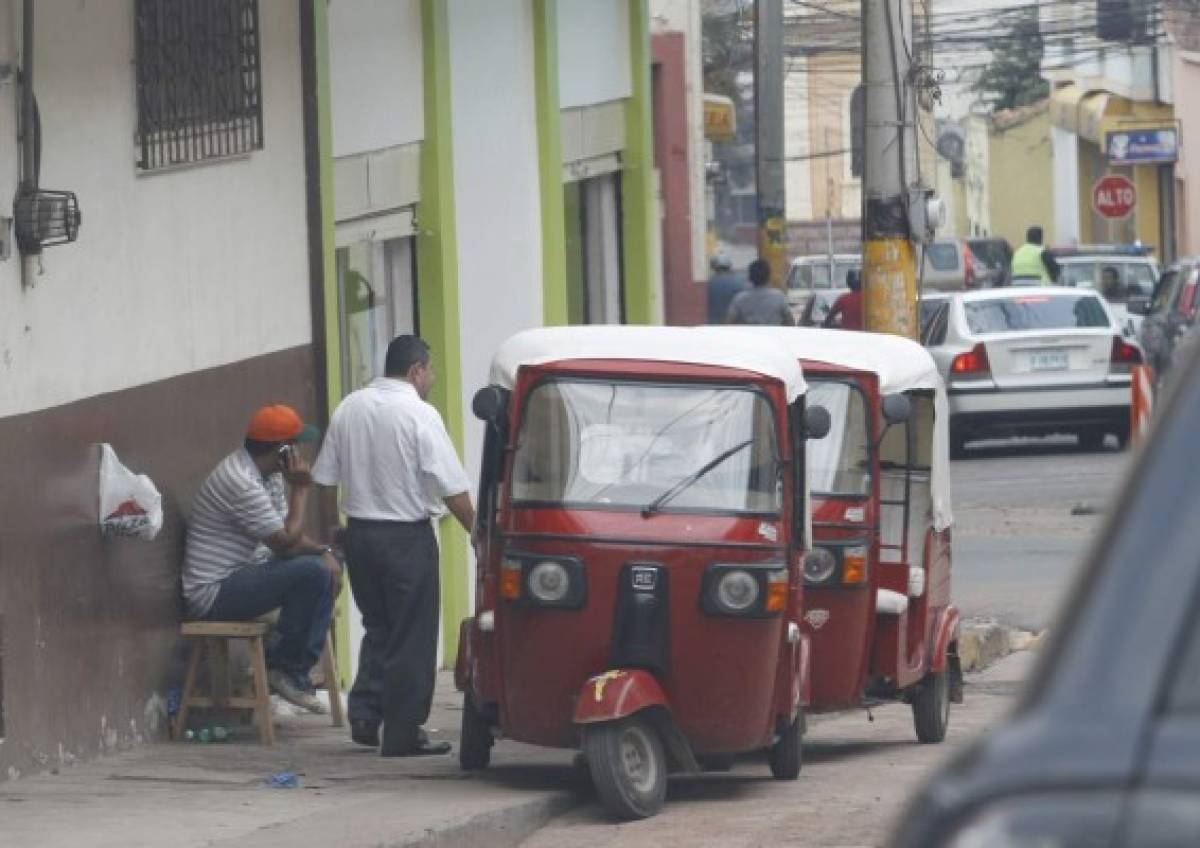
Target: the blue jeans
pixel 299 587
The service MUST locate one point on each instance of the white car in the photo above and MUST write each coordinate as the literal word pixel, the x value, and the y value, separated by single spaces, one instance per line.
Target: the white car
pixel 815 282
pixel 1035 360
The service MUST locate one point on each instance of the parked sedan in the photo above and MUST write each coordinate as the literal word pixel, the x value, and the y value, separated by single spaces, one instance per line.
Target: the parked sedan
pixel 1103 749
pixel 1033 361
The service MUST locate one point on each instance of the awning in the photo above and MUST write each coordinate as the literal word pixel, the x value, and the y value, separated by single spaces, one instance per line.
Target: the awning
pixel 1064 107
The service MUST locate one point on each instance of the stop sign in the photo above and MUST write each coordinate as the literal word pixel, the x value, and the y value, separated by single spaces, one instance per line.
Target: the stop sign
pixel 1114 196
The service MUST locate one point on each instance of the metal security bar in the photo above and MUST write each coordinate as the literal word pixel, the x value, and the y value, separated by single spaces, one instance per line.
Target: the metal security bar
pixel 199 81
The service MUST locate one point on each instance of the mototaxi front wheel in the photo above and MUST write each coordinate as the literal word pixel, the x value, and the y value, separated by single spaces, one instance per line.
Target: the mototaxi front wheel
pixel 931 708
pixel 628 766
pixel 786 755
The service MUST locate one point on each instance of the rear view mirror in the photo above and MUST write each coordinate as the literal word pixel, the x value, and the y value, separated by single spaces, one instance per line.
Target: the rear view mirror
pixel 896 408
pixel 1138 306
pixel 488 403
pixel 817 422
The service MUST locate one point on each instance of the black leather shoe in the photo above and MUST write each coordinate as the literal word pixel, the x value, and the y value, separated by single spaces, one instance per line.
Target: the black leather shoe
pixel 365 733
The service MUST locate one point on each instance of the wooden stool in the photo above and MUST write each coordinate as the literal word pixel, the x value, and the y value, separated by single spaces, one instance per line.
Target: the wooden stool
pixel 329 674
pixel 212 637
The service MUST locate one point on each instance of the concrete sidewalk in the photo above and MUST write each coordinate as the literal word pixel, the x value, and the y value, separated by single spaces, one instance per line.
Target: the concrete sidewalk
pixel 192 794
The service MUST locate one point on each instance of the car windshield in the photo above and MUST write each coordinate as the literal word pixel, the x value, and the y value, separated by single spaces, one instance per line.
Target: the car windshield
pixel 839 464
pixel 1034 312
pixel 814 273
pixel 841 270
pixel 622 445
pixel 993 255
pixel 1116 280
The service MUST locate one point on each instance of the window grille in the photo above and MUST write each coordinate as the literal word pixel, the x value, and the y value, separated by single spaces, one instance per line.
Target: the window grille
pixel 199 81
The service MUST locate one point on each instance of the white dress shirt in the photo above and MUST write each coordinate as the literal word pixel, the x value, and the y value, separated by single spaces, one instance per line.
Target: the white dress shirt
pixel 391 454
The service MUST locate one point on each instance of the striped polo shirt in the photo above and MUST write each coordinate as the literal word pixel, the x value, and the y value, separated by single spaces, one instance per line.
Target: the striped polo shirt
pixel 231 514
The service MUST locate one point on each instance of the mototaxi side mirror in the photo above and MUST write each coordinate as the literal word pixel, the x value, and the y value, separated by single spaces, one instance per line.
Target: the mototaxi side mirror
pixel 488 403
pixel 1138 305
pixel 817 422
pixel 897 408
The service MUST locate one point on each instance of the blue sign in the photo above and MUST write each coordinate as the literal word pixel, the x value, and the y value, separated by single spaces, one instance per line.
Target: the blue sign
pixel 1142 147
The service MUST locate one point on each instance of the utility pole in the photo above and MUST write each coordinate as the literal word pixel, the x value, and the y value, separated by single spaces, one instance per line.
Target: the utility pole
pixel 893 204
pixel 768 132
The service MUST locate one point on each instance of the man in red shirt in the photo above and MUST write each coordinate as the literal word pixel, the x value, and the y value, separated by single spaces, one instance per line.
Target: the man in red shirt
pixel 848 307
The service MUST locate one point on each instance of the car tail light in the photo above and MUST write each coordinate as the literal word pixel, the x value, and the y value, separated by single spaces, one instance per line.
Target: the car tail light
pixel 1187 302
pixel 968 268
pixel 1124 355
pixel 973 363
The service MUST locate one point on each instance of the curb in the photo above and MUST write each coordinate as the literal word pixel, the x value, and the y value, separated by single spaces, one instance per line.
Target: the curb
pixel 503 828
pixel 984 642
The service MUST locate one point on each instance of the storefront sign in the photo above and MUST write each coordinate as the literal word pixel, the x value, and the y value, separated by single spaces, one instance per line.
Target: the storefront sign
pixel 1114 197
pixel 1142 147
pixel 720 118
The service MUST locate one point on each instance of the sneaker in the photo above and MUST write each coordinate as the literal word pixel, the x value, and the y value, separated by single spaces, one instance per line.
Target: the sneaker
pixel 291 690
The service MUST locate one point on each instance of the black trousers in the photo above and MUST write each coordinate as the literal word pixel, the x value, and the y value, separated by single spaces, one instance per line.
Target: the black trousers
pixel 393 569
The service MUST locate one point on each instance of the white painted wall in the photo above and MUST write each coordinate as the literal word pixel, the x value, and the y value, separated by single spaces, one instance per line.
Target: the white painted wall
pixel 375 74
pixel 593 50
pixel 495 186
pixel 797 172
pixel 977 174
pixel 1064 147
pixel 174 272
pixel 9 270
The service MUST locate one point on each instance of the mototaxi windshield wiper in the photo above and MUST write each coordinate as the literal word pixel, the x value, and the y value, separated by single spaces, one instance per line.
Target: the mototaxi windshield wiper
pixel 656 505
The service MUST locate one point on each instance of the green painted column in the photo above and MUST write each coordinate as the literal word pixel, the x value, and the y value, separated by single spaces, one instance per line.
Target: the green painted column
pixel 437 291
pixel 332 329
pixel 550 182
pixel 643 271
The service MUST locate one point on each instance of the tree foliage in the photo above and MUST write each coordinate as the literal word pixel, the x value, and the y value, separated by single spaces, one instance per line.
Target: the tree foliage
pixel 1013 77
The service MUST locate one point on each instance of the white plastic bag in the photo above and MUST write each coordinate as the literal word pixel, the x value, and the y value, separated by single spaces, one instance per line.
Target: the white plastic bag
pixel 130 505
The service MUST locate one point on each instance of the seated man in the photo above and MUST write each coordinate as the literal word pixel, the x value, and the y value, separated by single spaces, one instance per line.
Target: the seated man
pixel 242 505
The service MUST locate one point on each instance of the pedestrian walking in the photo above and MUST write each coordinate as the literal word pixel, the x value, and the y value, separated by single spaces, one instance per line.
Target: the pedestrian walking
pixel 723 287
pixel 389 450
pixel 762 304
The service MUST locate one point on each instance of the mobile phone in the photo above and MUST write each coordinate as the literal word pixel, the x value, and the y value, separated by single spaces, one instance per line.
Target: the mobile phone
pixel 285 453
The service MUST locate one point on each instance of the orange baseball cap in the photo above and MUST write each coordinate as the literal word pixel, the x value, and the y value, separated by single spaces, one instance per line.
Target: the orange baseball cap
pixel 279 423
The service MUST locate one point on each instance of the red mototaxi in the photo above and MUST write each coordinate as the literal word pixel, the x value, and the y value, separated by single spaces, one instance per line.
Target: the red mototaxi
pixel 640 588
pixel 877 583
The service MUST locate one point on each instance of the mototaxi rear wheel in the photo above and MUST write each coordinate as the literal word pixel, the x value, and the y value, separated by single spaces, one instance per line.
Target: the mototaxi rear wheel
pixel 786 755
pixel 475 744
pixel 931 708
pixel 628 766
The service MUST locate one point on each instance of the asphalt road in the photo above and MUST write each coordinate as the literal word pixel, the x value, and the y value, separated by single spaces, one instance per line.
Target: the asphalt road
pixel 1017 544
pixel 855 781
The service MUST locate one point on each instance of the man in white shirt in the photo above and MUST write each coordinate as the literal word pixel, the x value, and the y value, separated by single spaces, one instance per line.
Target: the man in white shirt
pixel 389 450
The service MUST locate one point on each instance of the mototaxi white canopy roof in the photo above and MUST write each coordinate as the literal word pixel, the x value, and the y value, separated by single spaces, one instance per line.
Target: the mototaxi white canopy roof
pixel 685 345
pixel 900 364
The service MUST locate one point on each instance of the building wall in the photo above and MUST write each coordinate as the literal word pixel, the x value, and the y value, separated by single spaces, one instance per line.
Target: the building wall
pixel 976 176
pixel 832 78
pixel 1186 72
pixel 1021 168
pixel 495 184
pixel 376 78
pixel 797 142
pixel 593 48
pixel 184 305
pixel 1065 156
pixel 166 252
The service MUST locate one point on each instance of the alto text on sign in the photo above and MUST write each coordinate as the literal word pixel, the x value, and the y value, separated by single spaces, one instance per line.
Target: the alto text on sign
pixel 1114 196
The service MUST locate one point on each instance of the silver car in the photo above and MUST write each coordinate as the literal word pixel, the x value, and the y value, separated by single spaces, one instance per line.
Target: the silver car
pixel 1033 360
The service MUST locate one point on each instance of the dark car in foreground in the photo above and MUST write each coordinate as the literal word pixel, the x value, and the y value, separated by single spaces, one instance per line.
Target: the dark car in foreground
pixel 1104 747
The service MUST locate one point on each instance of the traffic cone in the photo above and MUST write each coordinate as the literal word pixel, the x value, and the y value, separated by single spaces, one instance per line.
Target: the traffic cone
pixel 1141 406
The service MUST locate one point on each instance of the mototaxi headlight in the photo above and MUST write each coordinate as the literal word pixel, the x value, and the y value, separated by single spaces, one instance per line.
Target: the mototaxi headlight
pixel 819 565
pixel 737 591
pixel 549 582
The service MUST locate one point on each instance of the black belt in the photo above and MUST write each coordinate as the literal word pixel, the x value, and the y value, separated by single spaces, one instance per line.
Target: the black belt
pixel 385 522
